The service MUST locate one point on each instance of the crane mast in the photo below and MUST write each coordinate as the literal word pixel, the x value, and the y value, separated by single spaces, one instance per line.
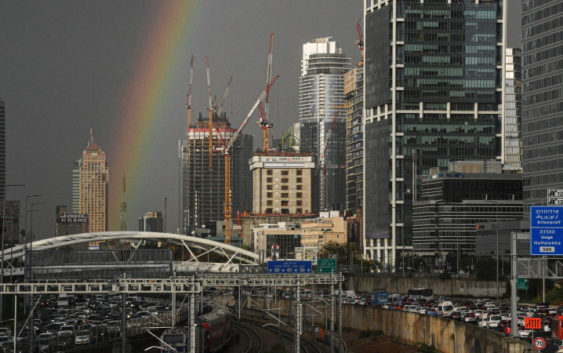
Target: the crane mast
pixel 225 95
pixel 265 112
pixel 210 110
pixel 189 95
pixel 227 153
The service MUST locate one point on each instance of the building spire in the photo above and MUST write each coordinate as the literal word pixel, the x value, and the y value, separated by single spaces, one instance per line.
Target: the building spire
pixel 91 137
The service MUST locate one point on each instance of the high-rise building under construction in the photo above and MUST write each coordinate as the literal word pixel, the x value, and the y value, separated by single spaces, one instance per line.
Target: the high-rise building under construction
pixel 203 186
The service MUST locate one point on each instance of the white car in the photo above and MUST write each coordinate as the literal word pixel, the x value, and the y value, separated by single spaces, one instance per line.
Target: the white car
pixel 482 322
pixel 493 321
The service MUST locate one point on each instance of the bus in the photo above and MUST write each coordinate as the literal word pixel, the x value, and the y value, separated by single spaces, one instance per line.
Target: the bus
pixel 420 294
pixel 379 297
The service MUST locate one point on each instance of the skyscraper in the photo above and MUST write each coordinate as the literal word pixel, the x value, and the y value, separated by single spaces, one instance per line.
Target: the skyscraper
pixel 432 94
pixel 203 188
pixel 93 193
pixel 542 98
pixel 76 186
pixel 353 88
pixel 322 106
pixel 2 150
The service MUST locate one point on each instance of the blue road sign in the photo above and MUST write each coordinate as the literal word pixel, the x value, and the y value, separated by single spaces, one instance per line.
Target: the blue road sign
pixel 290 266
pixel 546 230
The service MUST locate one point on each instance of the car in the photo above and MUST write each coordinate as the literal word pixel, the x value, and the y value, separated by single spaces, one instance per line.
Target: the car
pixel 83 337
pixel 493 321
pixel 47 342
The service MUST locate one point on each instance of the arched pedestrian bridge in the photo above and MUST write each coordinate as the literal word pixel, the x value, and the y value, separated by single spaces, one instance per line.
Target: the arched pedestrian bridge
pixel 197 248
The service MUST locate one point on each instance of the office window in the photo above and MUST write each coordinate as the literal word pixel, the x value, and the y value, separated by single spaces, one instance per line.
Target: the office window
pixel 284 172
pixel 269 172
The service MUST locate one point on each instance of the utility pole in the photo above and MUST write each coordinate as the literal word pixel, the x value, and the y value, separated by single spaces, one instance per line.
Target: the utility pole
pixel 297 319
pixel 340 316
pixel 123 320
pixel 332 304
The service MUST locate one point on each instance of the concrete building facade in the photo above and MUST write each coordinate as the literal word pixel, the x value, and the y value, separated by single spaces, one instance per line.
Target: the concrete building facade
pixel 93 193
pixel 282 182
pixel 67 223
pixel 512 127
pixel 322 105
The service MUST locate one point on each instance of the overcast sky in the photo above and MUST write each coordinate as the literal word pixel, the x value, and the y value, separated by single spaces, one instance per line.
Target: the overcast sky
pixel 66 65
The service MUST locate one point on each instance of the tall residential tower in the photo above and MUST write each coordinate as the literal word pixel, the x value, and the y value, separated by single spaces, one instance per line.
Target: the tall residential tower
pixel 432 94
pixel 322 106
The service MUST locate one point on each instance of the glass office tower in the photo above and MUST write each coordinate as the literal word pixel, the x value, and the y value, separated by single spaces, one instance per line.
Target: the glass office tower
pixel 432 94
pixel 542 98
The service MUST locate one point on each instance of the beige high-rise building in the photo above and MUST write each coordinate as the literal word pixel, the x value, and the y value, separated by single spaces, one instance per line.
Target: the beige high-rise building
pixel 93 193
pixel 281 182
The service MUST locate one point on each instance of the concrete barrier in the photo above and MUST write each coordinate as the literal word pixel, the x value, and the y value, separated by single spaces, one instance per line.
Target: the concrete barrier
pixel 454 287
pixel 448 336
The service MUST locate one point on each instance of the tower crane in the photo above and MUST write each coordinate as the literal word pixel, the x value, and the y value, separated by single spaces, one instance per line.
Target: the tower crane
pixel 226 150
pixel 189 95
pixel 225 95
pixel 265 111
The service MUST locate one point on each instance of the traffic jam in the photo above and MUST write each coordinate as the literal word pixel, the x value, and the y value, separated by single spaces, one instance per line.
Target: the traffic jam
pixel 538 324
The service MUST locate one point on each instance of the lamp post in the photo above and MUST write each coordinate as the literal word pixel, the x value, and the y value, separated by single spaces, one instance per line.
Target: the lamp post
pixel 2 245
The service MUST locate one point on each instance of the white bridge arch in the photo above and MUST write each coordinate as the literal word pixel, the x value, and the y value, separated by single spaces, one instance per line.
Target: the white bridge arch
pixel 232 254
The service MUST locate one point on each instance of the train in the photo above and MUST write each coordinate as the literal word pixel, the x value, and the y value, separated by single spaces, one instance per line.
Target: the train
pixel 213 331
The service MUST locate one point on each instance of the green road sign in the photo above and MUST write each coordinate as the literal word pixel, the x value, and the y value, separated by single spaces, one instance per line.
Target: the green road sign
pixel 326 266
pixel 522 283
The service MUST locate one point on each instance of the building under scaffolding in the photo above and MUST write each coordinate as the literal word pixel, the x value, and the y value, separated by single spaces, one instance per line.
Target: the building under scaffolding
pixel 202 187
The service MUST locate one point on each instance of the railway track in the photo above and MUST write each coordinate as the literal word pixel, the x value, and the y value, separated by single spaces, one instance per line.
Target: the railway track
pixel 307 345
pixel 256 342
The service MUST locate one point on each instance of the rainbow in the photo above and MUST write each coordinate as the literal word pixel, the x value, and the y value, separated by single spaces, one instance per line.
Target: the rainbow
pixel 144 95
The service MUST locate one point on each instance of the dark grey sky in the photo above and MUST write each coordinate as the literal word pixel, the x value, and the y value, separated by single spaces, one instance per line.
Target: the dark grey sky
pixel 65 66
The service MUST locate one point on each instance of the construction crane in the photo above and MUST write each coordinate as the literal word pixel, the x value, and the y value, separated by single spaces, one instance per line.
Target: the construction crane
pixel 360 41
pixel 210 110
pixel 265 111
pixel 322 157
pixel 226 150
pixel 288 140
pixel 225 95
pixel 189 94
